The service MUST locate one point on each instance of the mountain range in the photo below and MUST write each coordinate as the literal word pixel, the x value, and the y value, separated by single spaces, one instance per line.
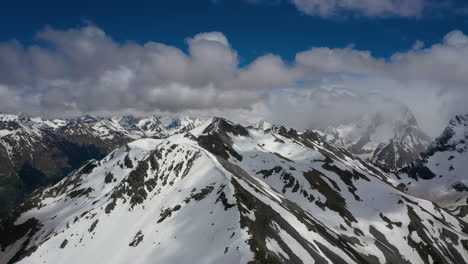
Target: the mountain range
pixel 389 141
pixel 35 152
pixel 222 192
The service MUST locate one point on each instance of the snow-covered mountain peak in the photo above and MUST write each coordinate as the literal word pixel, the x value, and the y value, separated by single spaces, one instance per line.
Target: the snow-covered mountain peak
pixel 30 123
pixel 226 193
pixel 222 126
pixel 14 128
pixel 440 174
pixel 454 137
pixel 164 126
pixel 263 125
pixel 36 151
pixel 88 119
pixel 389 140
pixel 9 117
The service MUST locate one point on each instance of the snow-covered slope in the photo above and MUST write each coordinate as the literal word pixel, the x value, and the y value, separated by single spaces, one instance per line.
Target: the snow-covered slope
pixel 20 131
pixel 105 134
pixel 38 151
pixel 222 193
pixel 388 141
pixel 441 174
pixel 30 155
pixel 157 126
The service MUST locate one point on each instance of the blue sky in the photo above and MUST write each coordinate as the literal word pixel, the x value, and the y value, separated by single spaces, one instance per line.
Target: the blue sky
pixel 253 29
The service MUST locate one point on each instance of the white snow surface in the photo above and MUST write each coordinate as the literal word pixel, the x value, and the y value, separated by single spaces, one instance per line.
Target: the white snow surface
pixel 182 217
pixel 19 131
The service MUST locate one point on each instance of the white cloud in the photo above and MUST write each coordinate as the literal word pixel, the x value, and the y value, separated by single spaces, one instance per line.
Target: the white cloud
pixel 210 36
pixel 339 60
pixel 418 45
pixel 372 8
pixel 268 71
pixel 85 70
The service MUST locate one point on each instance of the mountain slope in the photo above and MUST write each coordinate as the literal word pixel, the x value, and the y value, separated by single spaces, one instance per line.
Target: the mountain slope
pixel 38 152
pixel 35 152
pixel 390 142
pixel 440 175
pixel 32 155
pixel 158 126
pixel 225 193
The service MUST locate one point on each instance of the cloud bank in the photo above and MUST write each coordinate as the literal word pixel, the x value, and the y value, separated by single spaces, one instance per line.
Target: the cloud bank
pixel 83 70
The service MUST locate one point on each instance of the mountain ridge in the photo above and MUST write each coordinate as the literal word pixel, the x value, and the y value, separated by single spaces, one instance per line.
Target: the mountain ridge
pixel 251 195
pixel 440 174
pixel 35 151
pixel 390 143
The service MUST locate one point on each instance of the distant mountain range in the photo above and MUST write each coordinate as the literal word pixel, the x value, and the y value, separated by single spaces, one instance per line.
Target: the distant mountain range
pixel 374 191
pixel 225 193
pixel 391 142
pixel 35 152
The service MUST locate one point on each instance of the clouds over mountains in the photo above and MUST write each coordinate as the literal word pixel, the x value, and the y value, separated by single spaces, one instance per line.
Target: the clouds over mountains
pixel 85 70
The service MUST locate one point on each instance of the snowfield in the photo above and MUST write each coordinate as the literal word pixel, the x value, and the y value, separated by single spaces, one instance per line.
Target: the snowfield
pixel 223 193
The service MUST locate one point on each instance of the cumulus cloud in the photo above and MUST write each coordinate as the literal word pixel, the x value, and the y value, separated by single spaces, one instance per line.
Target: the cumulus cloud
pixel 432 81
pixel 84 70
pixel 372 8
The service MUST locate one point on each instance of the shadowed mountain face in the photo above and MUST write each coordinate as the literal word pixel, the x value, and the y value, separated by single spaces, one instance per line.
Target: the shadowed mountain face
pixel 389 142
pixel 36 152
pixel 440 175
pixel 223 193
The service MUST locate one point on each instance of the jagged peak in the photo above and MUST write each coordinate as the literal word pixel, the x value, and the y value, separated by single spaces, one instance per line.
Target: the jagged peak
pixel 89 118
pixel 313 134
pixel 262 125
pixel 273 194
pixel 284 131
pixel 455 133
pixel 8 117
pixel 224 126
pixel 459 120
pixel 12 117
pixel 128 119
pixel 275 128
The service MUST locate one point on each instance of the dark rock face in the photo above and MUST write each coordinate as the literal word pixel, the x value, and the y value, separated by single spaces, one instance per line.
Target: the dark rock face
pixel 223 127
pixel 418 170
pixel 216 137
pixel 82 134
pixel 407 144
pixel 401 151
pixel 440 173
pixel 448 142
pixel 11 232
